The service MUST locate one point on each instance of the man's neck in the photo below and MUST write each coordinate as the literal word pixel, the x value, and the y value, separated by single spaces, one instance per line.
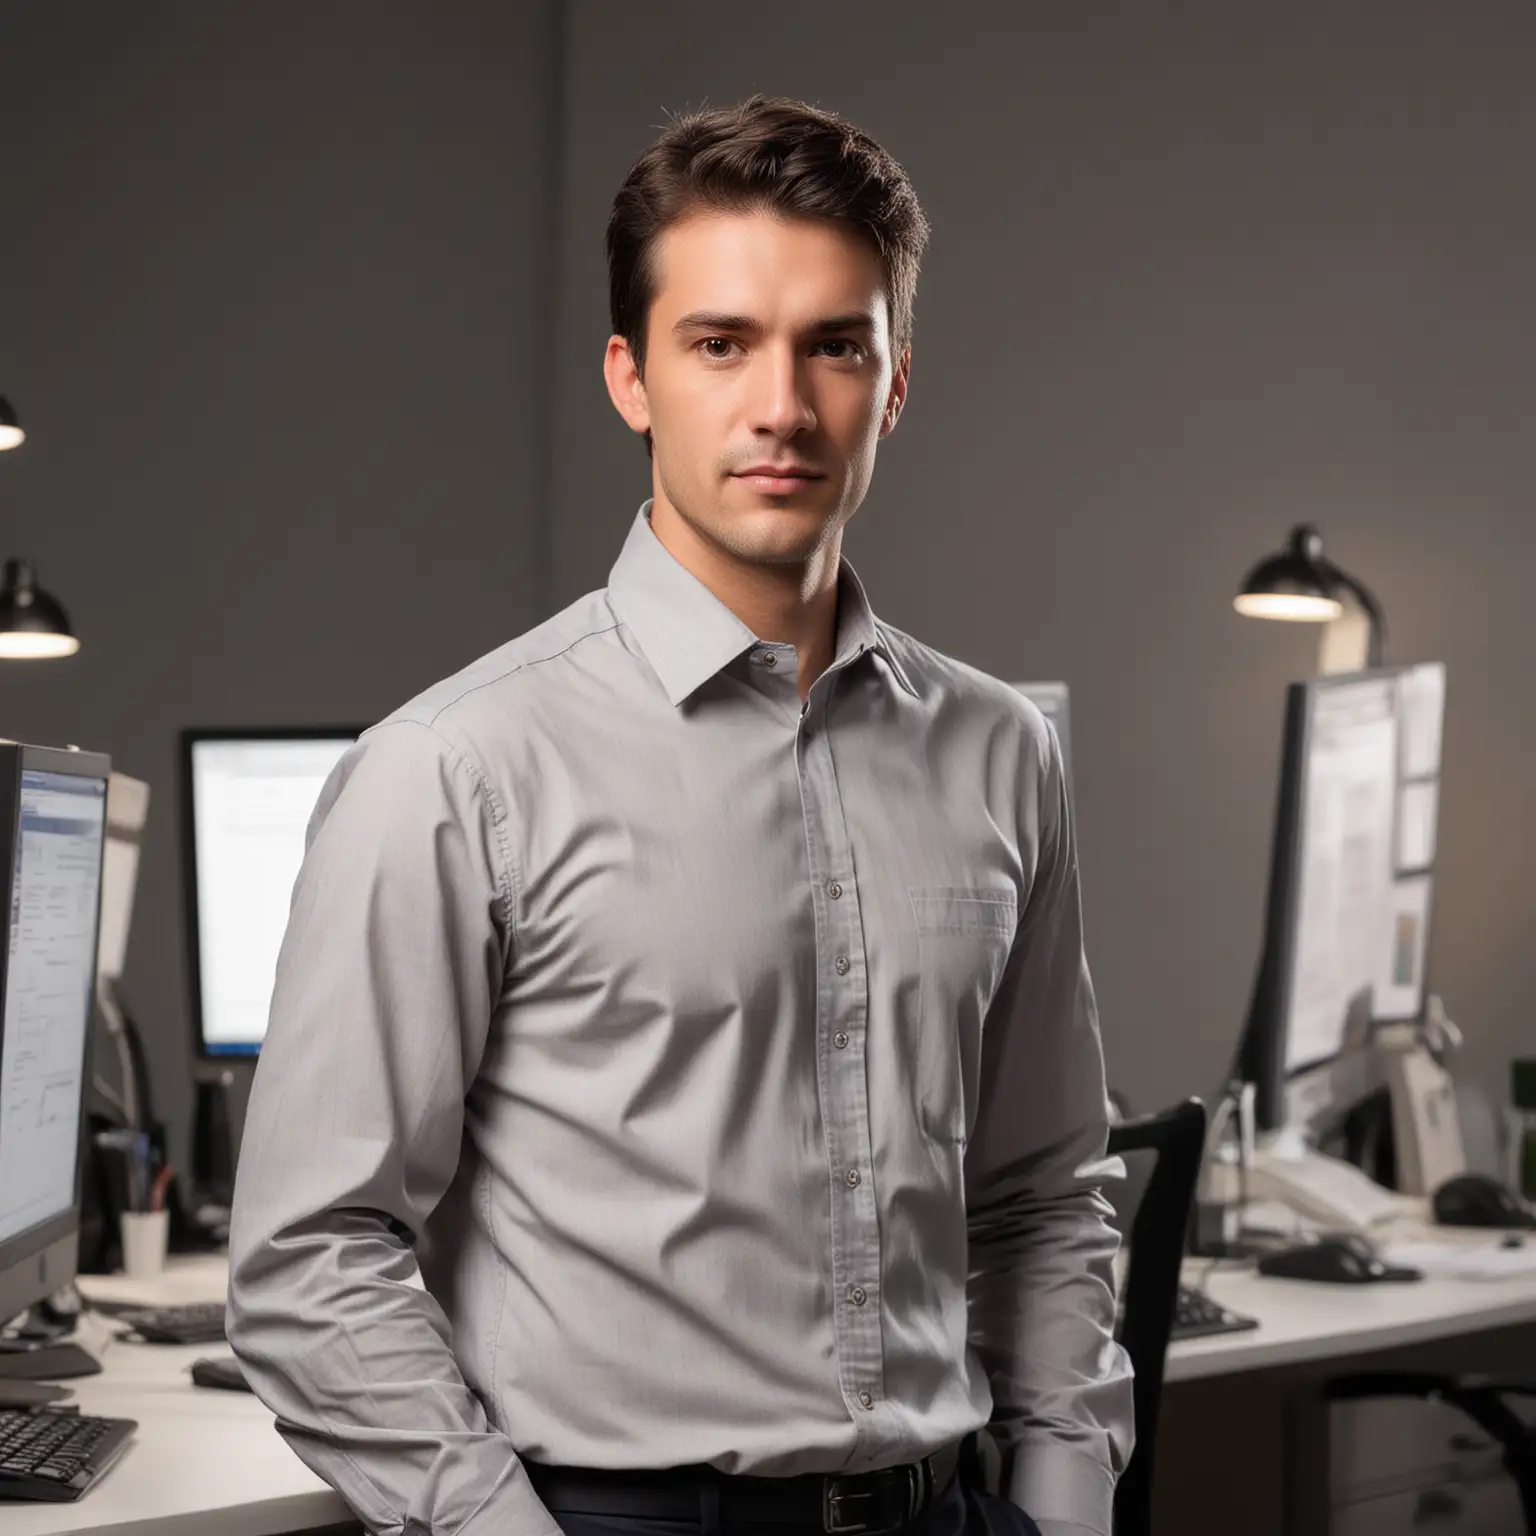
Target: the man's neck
pixel 794 604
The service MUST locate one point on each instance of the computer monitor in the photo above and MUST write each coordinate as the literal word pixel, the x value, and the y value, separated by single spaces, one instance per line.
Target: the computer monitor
pixel 247 796
pixel 1346 930
pixel 53 809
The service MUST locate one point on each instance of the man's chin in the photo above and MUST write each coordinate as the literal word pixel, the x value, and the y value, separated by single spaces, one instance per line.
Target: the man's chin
pixel 776 531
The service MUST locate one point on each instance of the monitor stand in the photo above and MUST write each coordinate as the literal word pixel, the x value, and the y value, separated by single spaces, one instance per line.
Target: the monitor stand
pixel 29 1369
pixel 31 1394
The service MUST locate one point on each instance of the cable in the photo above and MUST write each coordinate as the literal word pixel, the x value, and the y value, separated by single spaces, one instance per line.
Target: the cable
pixel 110 1094
pixel 1202 1285
pixel 117 1032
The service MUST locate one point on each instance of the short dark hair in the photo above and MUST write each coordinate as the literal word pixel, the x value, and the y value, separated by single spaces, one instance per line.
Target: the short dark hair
pixel 773 154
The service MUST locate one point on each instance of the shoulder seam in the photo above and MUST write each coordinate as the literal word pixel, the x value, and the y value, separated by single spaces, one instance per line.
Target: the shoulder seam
pixel 521 666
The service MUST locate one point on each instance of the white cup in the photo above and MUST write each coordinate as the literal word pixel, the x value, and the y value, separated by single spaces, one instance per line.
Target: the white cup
pixel 144 1242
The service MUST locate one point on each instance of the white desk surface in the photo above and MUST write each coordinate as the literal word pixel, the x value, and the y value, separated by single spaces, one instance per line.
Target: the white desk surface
pixel 1301 1321
pixel 211 1463
pixel 203 1461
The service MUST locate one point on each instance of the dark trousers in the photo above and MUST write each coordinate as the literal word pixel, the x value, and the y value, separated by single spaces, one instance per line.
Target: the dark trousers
pixel 960 1510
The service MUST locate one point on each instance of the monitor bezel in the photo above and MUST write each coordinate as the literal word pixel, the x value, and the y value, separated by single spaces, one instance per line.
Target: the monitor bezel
pixel 190 739
pixel 33 1240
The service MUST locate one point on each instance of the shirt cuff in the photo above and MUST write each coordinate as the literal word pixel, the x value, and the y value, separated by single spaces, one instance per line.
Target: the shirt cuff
pixel 1066 1491
pixel 513 1506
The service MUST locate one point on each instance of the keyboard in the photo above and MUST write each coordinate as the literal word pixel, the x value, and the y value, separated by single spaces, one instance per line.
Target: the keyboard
pixel 1197 1316
pixel 197 1322
pixel 56 1456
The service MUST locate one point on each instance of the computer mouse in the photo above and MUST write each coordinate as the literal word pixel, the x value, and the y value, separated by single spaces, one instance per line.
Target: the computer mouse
pixel 1341 1259
pixel 1475 1200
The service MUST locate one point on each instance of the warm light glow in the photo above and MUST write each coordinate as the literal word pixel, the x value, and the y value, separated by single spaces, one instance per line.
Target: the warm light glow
pixel 28 645
pixel 11 437
pixel 1297 607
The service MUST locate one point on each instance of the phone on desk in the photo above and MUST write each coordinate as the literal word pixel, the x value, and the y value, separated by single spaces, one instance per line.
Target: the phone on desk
pixel 1321 1189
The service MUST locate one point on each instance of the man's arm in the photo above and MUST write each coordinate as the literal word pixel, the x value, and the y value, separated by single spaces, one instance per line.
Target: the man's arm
pixel 1042 1304
pixel 392 964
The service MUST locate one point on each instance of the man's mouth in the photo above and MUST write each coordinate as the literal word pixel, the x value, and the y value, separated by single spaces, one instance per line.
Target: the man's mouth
pixel 777 480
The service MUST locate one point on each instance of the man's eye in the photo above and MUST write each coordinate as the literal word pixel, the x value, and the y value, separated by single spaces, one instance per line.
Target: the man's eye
pixel 717 347
pixel 843 350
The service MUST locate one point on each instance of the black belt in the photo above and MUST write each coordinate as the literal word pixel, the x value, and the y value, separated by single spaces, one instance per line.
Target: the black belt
pixel 842 1504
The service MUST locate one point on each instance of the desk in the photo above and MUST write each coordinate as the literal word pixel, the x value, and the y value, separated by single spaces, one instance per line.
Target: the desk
pixel 203 1463
pixel 211 1463
pixel 1246 1425
pixel 1303 1323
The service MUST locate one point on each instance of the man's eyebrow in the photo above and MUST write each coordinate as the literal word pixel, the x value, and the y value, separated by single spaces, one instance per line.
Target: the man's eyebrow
pixel 705 321
pixel 857 321
pixel 711 320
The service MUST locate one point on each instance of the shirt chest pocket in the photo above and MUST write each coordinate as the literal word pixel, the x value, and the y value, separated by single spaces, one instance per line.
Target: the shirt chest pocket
pixel 963 940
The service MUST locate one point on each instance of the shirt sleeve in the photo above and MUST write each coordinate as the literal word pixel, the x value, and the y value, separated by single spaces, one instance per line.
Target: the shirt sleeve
pixel 393 962
pixel 1041 1283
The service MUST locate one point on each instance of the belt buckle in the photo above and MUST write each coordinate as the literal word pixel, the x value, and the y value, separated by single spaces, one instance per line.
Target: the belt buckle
pixel 835 1523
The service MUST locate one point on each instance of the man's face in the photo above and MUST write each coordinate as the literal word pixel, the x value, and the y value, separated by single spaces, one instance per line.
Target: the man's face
pixel 768 380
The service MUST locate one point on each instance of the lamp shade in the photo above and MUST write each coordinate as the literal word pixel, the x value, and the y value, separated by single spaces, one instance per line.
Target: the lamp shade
pixel 11 435
pixel 1296 584
pixel 33 624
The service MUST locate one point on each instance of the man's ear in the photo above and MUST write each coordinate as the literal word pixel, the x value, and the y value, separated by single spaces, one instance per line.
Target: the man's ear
pixel 898 393
pixel 625 386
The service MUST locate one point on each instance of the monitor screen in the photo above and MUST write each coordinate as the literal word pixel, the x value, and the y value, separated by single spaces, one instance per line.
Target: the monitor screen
pixel 1344 864
pixel 55 883
pixel 1346 932
pixel 251 800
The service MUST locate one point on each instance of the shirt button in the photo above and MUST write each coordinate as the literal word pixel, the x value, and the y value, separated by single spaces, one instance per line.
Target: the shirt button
pixel 841 965
pixel 834 890
pixel 768 659
pixel 857 1295
pixel 851 1178
pixel 840 1040
pixel 865 1400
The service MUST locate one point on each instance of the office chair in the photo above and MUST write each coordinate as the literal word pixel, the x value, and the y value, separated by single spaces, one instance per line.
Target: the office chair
pixel 1484 1402
pixel 1156 1240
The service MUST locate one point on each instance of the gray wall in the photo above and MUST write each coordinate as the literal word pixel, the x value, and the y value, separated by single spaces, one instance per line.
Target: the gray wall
pixel 313 378
pixel 267 305
pixel 1194 275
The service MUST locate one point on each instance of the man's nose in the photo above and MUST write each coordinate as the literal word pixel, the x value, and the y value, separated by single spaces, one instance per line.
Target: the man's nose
pixel 780 400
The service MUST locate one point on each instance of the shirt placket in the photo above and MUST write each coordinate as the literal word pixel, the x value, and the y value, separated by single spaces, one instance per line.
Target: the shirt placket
pixel 842 1011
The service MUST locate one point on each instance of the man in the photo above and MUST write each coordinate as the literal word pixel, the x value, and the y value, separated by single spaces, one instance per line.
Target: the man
pixel 683 1106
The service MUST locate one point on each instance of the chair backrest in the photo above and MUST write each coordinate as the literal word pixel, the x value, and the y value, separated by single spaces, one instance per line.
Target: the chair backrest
pixel 1156 1240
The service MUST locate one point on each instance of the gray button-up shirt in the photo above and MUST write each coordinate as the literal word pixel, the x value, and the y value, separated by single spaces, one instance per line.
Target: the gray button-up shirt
pixel 662 1072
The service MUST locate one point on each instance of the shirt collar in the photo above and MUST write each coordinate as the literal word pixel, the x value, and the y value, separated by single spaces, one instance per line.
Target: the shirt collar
pixel 688 634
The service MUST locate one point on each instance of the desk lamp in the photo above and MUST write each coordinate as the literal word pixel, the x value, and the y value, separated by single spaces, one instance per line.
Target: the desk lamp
pixel 33 624
pixel 1302 585
pixel 11 435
